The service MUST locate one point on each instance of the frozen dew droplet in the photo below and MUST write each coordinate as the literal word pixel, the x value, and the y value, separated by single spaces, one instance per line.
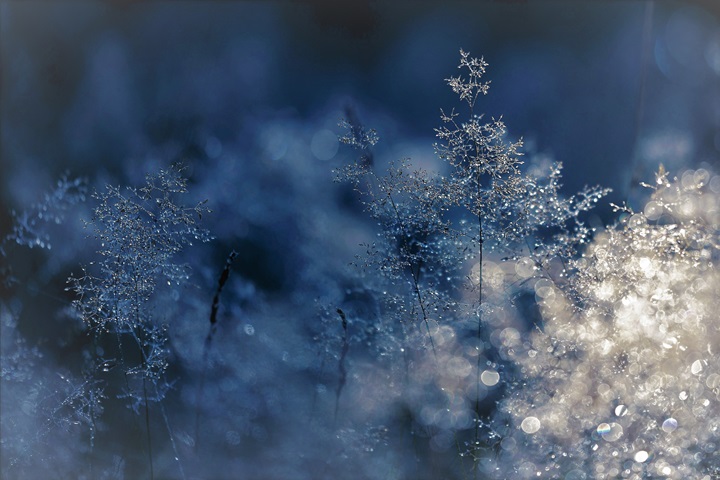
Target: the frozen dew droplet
pixel 683 395
pixel 107 365
pixel 530 425
pixel 621 410
pixel 670 425
pixel 490 377
pixel 641 456
pixel 249 329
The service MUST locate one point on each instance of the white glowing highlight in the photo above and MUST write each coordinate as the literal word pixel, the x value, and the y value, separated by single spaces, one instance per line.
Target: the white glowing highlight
pixel 641 456
pixel 530 425
pixel 490 377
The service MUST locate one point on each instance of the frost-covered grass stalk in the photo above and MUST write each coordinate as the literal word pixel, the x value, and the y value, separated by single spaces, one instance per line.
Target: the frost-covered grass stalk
pixel 140 231
pixel 437 228
pixel 209 340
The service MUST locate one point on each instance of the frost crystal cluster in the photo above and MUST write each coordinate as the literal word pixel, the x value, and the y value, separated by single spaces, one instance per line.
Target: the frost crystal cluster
pixel 624 379
pixel 140 231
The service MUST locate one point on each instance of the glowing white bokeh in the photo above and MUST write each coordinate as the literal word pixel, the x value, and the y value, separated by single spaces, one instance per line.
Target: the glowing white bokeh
pixel 696 367
pixel 525 267
pixel 653 210
pixel 490 377
pixel 493 275
pixel 544 288
pixel 641 456
pixel 670 425
pixel 530 425
pixel 631 357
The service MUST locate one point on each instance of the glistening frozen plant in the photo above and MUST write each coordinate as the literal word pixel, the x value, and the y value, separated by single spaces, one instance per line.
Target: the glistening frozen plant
pixel 140 232
pixel 436 230
pixel 624 381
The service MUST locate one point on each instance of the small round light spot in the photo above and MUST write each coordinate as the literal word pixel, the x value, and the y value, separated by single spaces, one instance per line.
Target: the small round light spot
pixel 670 425
pixel 490 377
pixel 696 367
pixel 530 425
pixel 641 456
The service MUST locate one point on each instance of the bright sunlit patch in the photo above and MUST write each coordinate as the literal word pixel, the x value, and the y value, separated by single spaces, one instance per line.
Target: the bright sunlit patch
pixel 605 291
pixel 642 351
pixel 646 266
